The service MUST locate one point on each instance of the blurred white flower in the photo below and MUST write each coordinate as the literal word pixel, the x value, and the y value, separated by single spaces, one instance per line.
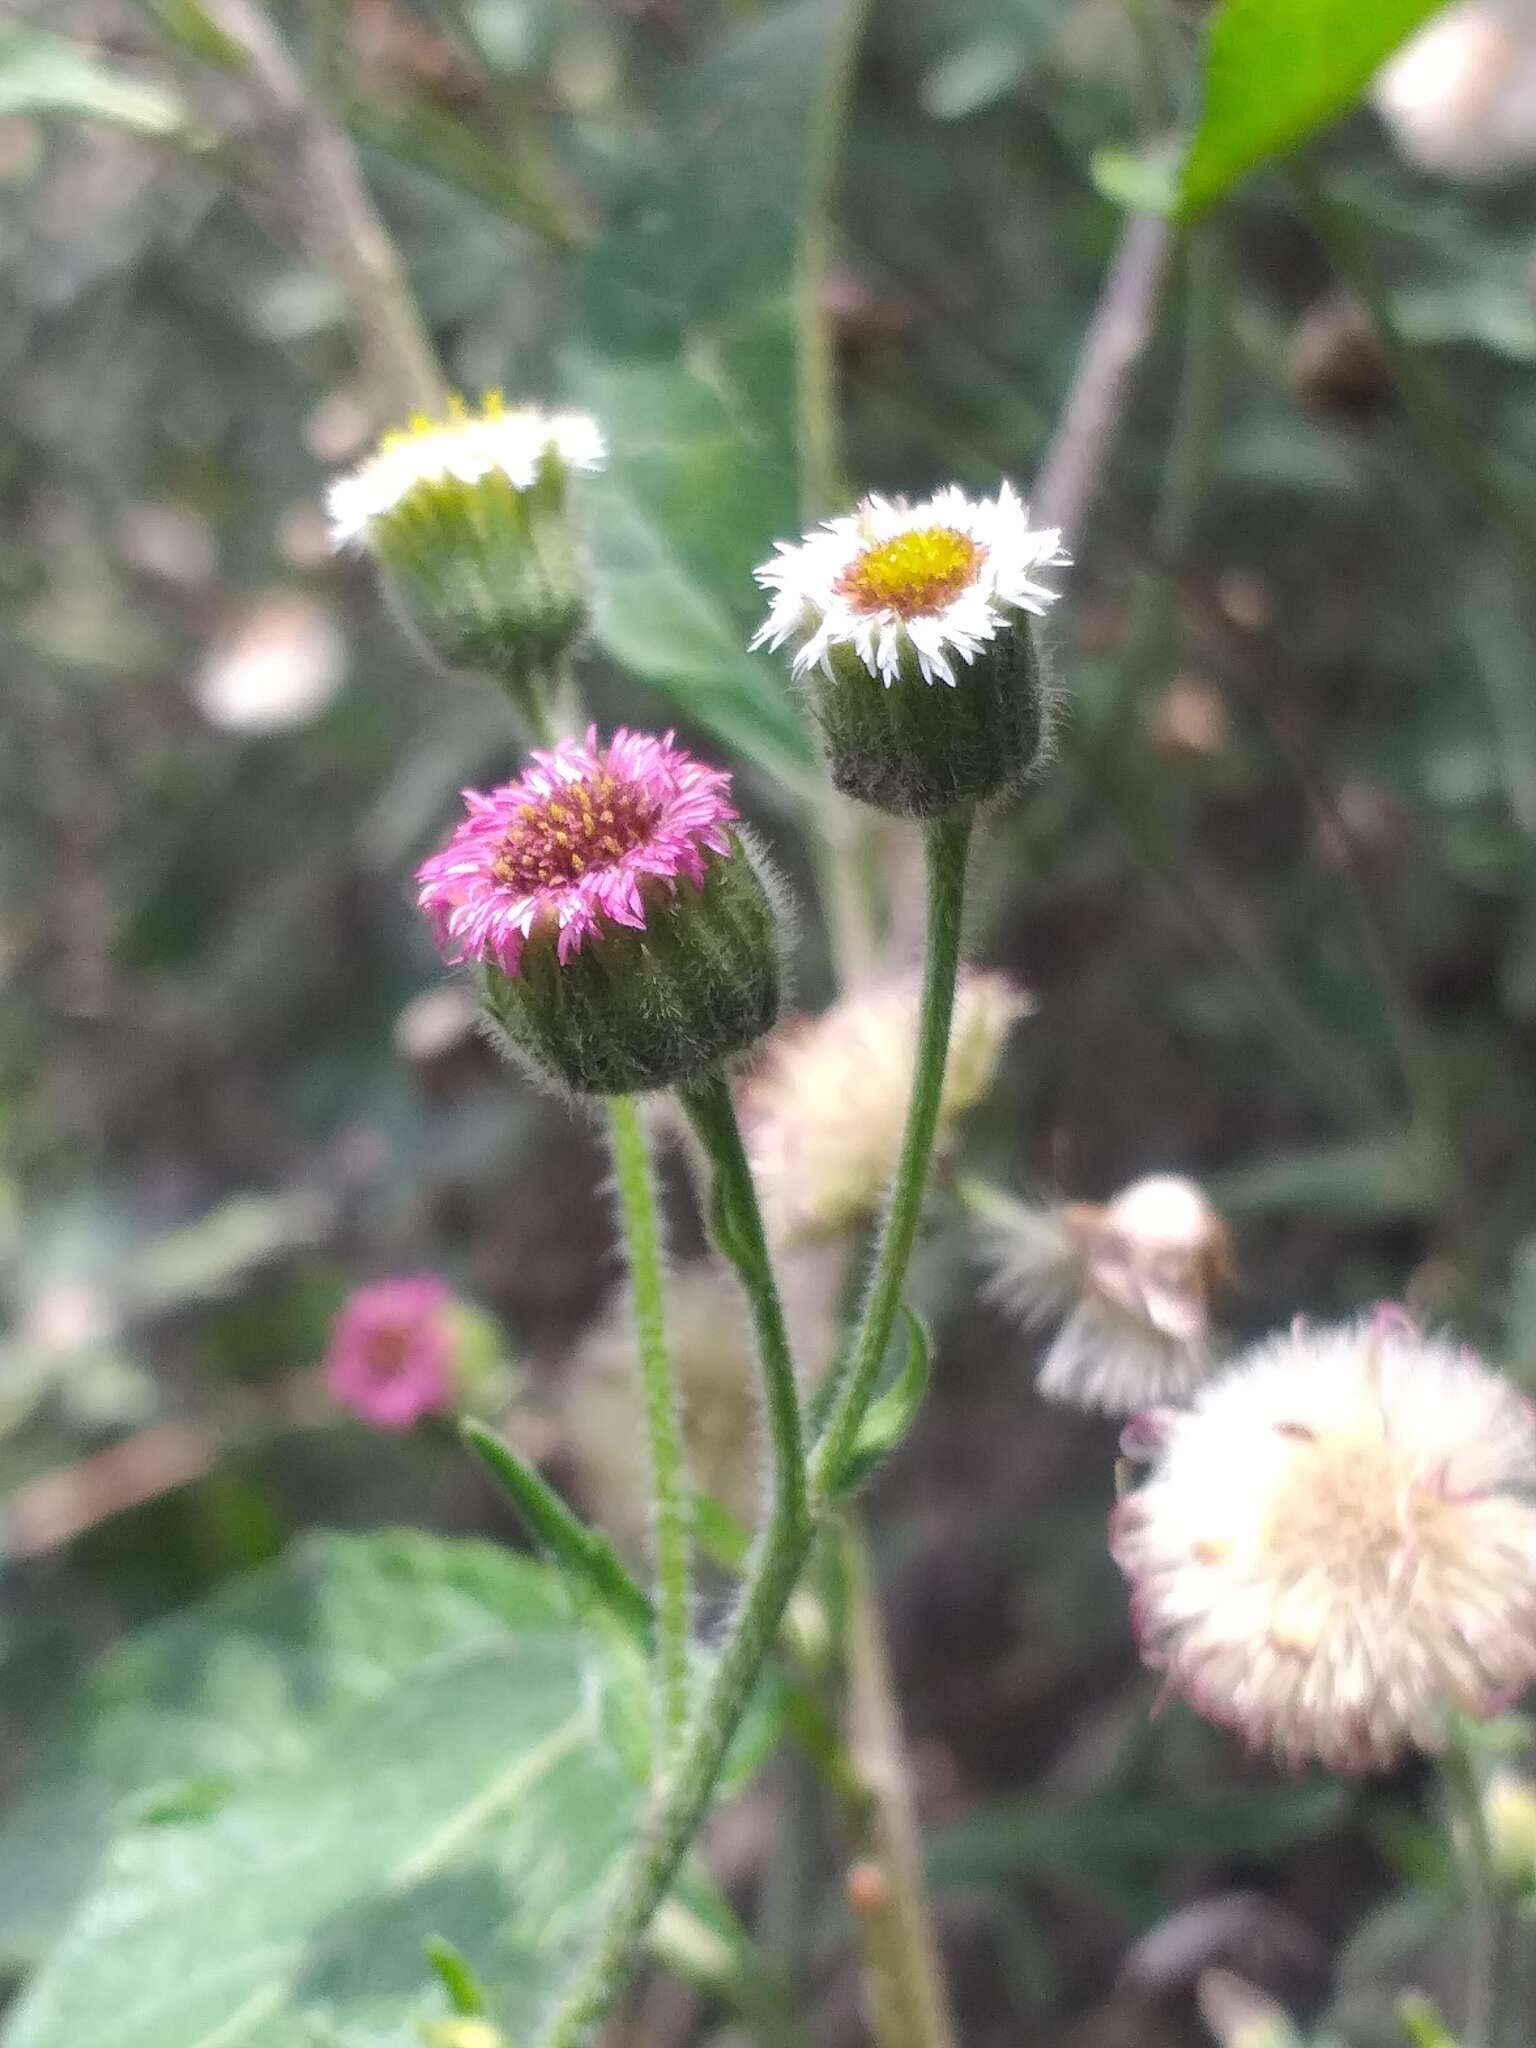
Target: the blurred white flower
pixel 1460 96
pixel 710 1341
pixel 1336 1546
pixel 512 442
pixel 824 1112
pixel 278 665
pixel 1133 1283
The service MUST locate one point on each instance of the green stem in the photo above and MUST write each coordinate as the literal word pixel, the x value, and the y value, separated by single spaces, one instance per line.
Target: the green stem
pixel 817 434
pixel 1484 1943
pixel 786 1544
pixel 669 1485
pixel 904 1980
pixel 738 1230
pixel 947 847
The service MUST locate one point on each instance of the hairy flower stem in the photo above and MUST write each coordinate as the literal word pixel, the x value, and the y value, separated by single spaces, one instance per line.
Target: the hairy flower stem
pixel 1485 1935
pixel 781 1554
pixel 669 1483
pixel 947 845
pixel 736 1224
pixel 904 1982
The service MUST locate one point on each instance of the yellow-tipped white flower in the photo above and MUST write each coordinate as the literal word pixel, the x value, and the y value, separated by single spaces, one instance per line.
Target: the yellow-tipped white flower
pixel 1132 1283
pixel 928 584
pixel 1336 1546
pixel 825 1111
pixel 435 465
pixel 467 517
pixel 910 625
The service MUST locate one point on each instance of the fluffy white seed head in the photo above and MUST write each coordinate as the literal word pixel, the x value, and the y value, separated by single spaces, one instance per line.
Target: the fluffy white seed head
pixel 1132 1282
pixel 935 581
pixel 1336 1546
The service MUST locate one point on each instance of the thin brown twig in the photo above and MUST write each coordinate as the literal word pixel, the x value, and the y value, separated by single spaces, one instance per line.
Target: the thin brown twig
pixel 1078 455
pixel 322 191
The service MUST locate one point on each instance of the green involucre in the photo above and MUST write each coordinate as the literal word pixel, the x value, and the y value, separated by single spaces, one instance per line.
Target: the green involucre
pixel 920 748
pixel 637 1010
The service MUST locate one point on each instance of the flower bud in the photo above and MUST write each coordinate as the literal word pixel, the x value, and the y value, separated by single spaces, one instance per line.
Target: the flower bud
pixel 1509 1814
pixel 467 518
pixel 910 626
pixel 626 935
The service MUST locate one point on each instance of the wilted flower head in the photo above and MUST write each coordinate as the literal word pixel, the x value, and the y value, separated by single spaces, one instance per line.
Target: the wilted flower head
pixel 1460 95
pixel 910 623
pixel 579 843
pixel 824 1113
pixel 625 934
pixel 390 1356
pixel 467 517
pixel 429 468
pixel 1336 1546
pixel 1133 1283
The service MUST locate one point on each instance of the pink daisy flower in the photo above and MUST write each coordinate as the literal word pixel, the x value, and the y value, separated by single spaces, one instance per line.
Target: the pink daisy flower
pixel 390 1358
pixel 574 842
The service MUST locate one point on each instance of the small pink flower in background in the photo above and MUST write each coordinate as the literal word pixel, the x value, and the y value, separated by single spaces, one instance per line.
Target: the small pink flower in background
pixel 573 842
pixel 390 1358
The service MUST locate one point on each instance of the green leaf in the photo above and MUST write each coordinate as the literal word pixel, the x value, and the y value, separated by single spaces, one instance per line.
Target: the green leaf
pixel 683 345
pixel 189 23
pixel 585 1553
pixel 45 74
pixel 400 1739
pixel 461 1986
pixel 698 1937
pixel 1422 2022
pixel 1275 71
pixel 890 1417
pixel 1110 1842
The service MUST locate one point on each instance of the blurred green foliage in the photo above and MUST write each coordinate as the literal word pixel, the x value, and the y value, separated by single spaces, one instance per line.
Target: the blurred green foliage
pixel 1277 901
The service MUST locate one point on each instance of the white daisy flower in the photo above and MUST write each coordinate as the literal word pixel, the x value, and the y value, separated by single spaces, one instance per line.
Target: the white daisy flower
pixel 512 442
pixel 1132 1284
pixel 933 583
pixel 1336 1546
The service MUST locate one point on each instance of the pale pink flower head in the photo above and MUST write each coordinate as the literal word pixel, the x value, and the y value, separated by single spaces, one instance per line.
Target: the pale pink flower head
pixel 390 1357
pixel 577 842
pixel 1335 1550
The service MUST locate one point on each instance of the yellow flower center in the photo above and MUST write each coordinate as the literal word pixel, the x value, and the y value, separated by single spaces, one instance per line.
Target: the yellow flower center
pixel 492 406
pixel 556 839
pixel 920 571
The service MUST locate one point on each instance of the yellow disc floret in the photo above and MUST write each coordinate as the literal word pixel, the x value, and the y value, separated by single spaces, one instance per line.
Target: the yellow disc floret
pixel 919 571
